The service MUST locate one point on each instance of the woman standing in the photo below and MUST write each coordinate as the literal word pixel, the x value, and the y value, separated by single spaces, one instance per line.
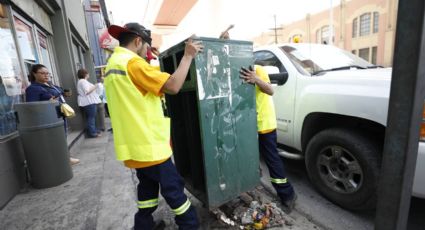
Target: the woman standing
pixel 42 90
pixel 88 100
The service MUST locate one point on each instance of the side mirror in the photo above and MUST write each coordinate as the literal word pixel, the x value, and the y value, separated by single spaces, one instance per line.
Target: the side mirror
pixel 279 78
pixel 276 77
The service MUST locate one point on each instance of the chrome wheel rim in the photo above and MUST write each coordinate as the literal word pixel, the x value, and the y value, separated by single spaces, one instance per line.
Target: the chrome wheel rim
pixel 340 170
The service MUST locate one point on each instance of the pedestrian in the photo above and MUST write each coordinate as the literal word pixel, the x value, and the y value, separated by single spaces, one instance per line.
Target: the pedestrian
pixel 41 89
pixel 88 100
pixel 100 116
pixel 141 132
pixel 267 138
pixel 102 94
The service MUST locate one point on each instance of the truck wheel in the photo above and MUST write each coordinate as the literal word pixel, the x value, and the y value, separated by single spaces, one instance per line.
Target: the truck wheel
pixel 344 166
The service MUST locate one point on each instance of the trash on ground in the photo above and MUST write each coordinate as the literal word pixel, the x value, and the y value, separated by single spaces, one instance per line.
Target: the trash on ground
pixel 258 214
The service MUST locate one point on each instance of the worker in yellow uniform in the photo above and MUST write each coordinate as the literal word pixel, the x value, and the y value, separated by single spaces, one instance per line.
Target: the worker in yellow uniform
pixel 141 132
pixel 267 139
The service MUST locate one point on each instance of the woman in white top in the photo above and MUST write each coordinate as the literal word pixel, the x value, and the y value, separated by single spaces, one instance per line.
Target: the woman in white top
pixel 88 100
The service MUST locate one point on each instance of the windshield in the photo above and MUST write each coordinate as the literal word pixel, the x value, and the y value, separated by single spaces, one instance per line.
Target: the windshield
pixel 313 59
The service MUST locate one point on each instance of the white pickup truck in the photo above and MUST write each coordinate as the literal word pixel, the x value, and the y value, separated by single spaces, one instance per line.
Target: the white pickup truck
pixel 331 109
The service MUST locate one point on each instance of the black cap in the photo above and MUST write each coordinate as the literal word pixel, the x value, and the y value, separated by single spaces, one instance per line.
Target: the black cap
pixel 132 27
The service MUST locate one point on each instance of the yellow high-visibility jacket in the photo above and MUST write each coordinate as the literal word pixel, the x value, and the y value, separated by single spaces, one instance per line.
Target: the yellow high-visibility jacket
pixel 266 116
pixel 141 132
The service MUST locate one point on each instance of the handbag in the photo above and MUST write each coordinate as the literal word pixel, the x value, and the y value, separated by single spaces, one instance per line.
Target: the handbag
pixel 67 110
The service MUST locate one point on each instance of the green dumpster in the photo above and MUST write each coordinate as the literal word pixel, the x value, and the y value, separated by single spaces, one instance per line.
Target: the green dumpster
pixel 42 132
pixel 213 121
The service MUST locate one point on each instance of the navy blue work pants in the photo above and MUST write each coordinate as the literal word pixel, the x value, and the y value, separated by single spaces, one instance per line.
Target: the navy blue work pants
pixel 268 149
pixel 165 178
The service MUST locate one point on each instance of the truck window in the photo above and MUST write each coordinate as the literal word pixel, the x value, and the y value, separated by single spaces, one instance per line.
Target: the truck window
pixel 267 58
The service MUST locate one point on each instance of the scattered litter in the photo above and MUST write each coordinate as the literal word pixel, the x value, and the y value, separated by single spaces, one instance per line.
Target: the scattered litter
pixel 254 215
pixel 221 216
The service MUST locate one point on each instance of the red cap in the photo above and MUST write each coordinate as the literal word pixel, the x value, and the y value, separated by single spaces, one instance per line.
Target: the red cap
pixel 134 28
pixel 115 31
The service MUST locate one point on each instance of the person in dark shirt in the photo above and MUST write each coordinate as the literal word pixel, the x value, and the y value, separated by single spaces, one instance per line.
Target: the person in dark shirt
pixel 42 90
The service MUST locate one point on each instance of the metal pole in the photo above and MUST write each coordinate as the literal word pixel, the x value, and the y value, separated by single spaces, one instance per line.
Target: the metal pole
pixel 275 29
pixel 104 12
pixel 404 118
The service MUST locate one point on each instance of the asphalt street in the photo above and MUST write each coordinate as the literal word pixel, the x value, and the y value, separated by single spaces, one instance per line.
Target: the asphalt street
pixel 330 216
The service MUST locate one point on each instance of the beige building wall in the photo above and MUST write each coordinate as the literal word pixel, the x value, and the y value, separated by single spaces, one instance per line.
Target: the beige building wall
pixel 314 28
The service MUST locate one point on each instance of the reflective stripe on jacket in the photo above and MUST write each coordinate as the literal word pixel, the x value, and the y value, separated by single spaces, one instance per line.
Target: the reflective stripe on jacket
pixel 141 132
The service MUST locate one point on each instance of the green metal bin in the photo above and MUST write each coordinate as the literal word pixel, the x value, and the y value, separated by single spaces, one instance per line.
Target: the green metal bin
pixel 42 132
pixel 213 121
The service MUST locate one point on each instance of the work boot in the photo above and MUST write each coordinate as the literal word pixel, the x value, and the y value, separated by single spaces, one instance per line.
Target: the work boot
pixel 159 225
pixel 289 205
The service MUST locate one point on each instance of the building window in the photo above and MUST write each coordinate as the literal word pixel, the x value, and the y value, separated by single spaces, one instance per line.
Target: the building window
pixel 26 42
pixel 355 26
pixel 43 45
pixel 324 35
pixel 364 53
pixel 11 77
pixel 375 22
pixel 364 24
pixel 374 54
pixel 77 56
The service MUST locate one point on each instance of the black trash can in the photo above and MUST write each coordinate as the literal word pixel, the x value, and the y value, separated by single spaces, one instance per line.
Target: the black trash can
pixel 41 129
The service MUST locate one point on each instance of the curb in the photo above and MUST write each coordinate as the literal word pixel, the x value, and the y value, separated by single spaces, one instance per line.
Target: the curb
pixel 76 141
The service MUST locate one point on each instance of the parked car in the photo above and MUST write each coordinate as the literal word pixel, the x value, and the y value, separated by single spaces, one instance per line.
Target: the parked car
pixel 331 109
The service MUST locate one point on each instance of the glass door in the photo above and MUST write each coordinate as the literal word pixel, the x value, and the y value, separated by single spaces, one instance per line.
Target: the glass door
pixel 26 42
pixel 11 75
pixel 45 55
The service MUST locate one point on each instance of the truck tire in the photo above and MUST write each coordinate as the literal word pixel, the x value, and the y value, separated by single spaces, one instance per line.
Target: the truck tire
pixel 344 165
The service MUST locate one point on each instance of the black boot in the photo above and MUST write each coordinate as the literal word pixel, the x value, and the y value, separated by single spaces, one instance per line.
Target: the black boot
pixel 159 225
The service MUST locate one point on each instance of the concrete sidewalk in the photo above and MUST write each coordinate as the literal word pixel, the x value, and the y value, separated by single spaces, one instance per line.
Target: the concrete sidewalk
pixel 101 195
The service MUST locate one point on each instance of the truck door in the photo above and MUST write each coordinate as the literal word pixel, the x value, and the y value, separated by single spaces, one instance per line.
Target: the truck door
pixel 284 95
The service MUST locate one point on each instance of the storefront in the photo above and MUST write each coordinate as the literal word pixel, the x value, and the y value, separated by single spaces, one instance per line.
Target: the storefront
pixel 36 32
pixel 12 78
pixel 23 43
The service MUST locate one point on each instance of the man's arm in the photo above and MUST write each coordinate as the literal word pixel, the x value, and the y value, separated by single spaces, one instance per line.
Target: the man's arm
pixel 251 77
pixel 176 80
